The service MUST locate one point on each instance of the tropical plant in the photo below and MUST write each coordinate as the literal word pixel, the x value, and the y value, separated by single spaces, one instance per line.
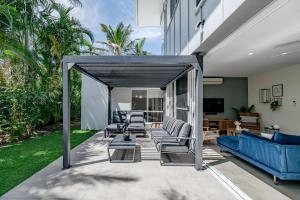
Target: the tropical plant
pixel 244 109
pixel 138 48
pixel 118 41
pixel 274 105
pixel 34 37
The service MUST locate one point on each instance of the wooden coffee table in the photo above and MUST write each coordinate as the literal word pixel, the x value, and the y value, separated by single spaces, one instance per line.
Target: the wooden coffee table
pixel 118 143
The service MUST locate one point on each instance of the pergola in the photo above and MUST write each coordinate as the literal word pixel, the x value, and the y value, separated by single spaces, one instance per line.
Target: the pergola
pixel 134 71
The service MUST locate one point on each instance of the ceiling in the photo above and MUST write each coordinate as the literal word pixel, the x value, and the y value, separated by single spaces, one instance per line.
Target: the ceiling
pixel 269 40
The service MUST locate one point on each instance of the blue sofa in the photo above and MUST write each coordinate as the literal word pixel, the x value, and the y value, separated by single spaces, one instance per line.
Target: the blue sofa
pixel 279 156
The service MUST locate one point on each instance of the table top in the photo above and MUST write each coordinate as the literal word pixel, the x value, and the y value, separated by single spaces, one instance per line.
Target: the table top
pixel 119 141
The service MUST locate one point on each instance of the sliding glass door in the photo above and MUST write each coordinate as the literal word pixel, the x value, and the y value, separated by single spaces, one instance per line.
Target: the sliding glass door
pixel 182 108
pixel 151 101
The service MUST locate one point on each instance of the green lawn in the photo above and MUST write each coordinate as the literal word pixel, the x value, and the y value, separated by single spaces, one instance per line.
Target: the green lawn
pixel 21 160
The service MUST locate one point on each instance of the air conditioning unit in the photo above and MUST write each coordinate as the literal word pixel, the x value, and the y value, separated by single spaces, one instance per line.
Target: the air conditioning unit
pixel 212 81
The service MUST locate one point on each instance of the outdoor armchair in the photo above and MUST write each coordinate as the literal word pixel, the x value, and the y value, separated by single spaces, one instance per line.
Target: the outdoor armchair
pixel 136 123
pixel 118 123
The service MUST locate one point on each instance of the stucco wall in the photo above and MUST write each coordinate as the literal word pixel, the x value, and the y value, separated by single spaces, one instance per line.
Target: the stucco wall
pixel 287 116
pixel 94 104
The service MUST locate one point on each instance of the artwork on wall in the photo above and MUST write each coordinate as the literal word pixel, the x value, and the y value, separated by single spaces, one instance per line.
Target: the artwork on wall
pixel 264 95
pixel 277 90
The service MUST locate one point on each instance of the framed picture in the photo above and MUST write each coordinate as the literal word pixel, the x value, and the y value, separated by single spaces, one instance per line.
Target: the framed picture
pixel 277 90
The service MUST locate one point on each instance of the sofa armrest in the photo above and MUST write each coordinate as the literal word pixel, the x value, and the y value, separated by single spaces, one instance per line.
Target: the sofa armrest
pixel 292 156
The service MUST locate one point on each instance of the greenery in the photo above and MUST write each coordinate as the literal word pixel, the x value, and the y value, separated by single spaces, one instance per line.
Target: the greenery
pixel 118 41
pixel 23 159
pixel 244 109
pixel 274 105
pixel 34 37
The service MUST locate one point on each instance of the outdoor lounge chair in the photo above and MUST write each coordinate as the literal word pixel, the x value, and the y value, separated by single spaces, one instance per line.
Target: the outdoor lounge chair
pixel 173 138
pixel 136 123
pixel 118 123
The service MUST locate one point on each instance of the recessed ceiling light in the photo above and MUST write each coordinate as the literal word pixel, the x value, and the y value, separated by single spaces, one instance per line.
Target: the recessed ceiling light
pixel 250 53
pixel 284 53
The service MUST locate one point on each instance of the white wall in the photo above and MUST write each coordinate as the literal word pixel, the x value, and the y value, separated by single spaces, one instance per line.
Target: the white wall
pixel 94 104
pixel 121 99
pixel 288 115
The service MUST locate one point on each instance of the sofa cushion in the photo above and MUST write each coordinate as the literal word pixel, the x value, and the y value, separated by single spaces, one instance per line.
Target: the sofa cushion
pixel 119 117
pixel 171 125
pixel 174 148
pixel 254 135
pixel 115 127
pixel 165 122
pixel 175 131
pixel 159 133
pixel 185 131
pixel 137 113
pixel 285 139
pixel 136 119
pixel 136 127
pixel 231 142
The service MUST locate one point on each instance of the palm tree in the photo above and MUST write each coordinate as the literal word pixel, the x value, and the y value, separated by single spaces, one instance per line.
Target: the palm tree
pixel 117 40
pixel 34 36
pixel 138 48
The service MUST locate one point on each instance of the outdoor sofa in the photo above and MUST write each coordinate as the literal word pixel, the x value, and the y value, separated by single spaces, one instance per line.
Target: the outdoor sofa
pixel 174 137
pixel 279 156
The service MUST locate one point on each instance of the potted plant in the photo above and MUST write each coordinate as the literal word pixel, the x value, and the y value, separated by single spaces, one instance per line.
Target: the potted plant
pixel 275 104
pixel 244 109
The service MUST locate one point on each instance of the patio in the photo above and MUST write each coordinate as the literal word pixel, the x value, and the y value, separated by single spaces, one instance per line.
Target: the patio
pixel 92 176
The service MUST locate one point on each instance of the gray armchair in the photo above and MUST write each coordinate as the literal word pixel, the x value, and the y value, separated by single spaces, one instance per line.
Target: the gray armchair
pixel 136 123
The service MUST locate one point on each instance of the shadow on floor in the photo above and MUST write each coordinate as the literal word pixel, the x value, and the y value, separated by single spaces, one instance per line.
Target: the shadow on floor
pixel 173 194
pixel 88 163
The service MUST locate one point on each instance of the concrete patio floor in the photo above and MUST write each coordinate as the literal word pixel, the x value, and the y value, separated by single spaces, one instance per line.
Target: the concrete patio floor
pixel 92 176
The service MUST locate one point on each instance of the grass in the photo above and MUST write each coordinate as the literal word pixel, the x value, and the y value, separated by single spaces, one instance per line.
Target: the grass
pixel 21 160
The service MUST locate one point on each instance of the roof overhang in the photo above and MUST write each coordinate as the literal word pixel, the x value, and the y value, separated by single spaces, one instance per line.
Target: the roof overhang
pixel 134 71
pixel 148 13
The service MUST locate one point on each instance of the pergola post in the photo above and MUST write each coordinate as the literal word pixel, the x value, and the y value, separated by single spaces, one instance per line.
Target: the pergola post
pixel 109 104
pixel 199 115
pixel 66 116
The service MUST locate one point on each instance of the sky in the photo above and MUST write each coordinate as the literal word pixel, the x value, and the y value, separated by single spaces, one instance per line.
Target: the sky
pixel 112 12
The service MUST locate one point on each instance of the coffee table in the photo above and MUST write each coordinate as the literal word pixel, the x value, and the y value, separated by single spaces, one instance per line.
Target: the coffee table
pixel 118 143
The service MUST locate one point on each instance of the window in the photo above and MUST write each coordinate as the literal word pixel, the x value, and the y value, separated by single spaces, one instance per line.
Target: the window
pixel 155 110
pixel 139 99
pixel 182 98
pixel 150 101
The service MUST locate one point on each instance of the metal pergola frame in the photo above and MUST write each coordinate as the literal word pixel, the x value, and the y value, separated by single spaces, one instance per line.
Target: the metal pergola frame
pixel 134 71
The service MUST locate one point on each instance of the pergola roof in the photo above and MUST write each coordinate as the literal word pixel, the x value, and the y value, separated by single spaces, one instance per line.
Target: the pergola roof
pixel 134 71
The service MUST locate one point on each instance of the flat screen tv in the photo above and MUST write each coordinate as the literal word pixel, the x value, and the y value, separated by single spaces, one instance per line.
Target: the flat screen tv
pixel 213 105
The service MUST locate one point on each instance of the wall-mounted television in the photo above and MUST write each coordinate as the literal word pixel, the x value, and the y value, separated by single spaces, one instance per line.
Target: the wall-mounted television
pixel 213 105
